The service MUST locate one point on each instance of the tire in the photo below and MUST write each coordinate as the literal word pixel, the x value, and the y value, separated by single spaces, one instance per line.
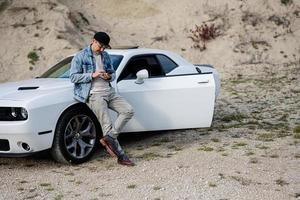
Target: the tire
pixel 76 138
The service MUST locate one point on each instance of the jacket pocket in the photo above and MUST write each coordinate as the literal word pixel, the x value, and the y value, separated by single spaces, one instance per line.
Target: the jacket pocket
pixel 87 68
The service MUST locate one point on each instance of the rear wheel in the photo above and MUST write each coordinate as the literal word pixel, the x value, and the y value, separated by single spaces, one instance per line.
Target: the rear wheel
pixel 76 137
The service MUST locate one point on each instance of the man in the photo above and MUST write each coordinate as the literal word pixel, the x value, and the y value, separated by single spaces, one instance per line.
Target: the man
pixel 91 72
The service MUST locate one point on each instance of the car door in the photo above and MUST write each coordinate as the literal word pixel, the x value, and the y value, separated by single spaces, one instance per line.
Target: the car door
pixel 166 102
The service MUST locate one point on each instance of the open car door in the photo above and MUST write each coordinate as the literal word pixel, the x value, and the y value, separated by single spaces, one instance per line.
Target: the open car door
pixel 170 102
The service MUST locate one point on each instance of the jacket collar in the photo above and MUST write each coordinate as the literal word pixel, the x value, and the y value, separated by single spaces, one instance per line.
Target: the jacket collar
pixel 89 51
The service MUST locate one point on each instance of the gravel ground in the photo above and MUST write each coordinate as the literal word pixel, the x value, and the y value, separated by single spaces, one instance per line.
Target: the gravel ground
pixel 250 152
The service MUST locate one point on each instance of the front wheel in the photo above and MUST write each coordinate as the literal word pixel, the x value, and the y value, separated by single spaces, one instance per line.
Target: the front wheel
pixel 76 137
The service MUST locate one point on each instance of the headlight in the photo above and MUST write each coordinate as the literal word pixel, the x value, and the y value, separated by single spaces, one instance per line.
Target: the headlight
pixel 13 114
pixel 24 113
pixel 19 114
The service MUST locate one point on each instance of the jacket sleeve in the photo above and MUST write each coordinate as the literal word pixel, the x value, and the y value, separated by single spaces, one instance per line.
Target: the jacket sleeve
pixel 76 71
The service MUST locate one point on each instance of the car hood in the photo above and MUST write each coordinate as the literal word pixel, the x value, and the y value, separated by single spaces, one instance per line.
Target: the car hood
pixel 29 89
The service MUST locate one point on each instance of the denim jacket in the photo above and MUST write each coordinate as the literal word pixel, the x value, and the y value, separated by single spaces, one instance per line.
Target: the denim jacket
pixel 82 67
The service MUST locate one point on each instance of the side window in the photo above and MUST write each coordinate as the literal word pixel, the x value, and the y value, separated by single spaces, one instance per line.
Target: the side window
pixel 166 63
pixel 137 63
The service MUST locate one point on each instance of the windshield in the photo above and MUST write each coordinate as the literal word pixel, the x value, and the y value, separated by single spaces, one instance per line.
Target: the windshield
pixel 62 69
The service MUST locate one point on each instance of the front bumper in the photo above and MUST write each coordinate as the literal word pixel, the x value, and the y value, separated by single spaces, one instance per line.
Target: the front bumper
pixel 20 137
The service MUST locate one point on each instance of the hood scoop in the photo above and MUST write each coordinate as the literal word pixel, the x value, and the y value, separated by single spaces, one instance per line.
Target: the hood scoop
pixel 28 88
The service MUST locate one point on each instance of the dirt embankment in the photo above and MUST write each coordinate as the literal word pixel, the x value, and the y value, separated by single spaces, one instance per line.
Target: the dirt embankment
pixel 251 151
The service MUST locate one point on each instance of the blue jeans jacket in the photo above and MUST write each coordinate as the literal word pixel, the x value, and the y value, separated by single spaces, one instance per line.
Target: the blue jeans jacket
pixel 82 67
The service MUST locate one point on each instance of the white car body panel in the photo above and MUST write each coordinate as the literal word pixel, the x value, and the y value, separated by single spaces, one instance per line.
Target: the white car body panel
pixel 161 103
pixel 44 106
pixel 182 99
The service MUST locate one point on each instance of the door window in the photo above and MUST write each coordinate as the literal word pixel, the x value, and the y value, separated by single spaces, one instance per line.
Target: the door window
pixel 137 63
pixel 166 63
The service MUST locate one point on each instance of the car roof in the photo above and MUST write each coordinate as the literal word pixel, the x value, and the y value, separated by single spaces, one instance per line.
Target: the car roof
pixel 129 52
pixel 139 51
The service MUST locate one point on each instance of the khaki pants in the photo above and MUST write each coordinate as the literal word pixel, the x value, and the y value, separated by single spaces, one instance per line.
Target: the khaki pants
pixel 100 103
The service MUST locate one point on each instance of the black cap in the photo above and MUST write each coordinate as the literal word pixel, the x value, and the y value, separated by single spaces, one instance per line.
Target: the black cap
pixel 102 38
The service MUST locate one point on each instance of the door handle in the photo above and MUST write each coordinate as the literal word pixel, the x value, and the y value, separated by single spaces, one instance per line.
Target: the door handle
pixel 201 82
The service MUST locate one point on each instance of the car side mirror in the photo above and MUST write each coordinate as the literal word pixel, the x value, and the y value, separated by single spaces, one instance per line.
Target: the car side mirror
pixel 141 75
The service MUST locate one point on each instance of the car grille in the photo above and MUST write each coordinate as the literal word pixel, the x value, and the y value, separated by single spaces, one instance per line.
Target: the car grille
pixel 4 145
pixel 5 114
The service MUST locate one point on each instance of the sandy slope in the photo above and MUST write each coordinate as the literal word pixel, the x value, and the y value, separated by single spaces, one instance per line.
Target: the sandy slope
pixel 250 32
pixel 250 151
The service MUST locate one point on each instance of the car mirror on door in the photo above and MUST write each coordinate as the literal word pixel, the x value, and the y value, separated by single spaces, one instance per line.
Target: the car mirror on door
pixel 141 75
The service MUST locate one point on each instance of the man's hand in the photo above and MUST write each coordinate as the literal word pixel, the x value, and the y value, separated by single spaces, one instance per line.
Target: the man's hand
pixel 106 76
pixel 102 74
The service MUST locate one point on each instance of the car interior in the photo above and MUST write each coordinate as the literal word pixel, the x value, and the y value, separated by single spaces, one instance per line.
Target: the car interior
pixel 136 64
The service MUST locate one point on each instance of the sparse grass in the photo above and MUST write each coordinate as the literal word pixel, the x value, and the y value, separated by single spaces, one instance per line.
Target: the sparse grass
pixel 132 186
pixel 109 166
pixel 3 5
pixel 215 140
pixel 78 182
pixel 174 147
pixel 205 148
pixel 50 189
pixel 220 149
pixel 69 174
pixel 282 134
pixel 221 175
pixel 238 144
pixel 140 147
pixel 274 156
pixel 296 131
pixel 33 57
pixel 210 184
pixel 31 196
pixel 160 38
pixel 59 197
pixel 60 37
pixel 161 141
pixel 165 140
pixel 156 144
pixel 253 160
pixel 23 181
pixel 149 156
pixel 262 146
pixel 249 153
pixel 32 189
pixel 251 18
pixel 29 165
pixel 156 188
pixel 233 117
pixel 45 184
pixel 266 137
pixel 241 180
pixel 286 2
pixel 281 182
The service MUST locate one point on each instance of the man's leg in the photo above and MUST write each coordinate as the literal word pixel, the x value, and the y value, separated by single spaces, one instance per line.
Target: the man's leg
pixel 124 110
pixel 98 104
pixel 125 113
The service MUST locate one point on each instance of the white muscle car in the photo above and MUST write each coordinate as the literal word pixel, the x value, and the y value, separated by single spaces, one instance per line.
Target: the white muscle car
pixel 165 90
